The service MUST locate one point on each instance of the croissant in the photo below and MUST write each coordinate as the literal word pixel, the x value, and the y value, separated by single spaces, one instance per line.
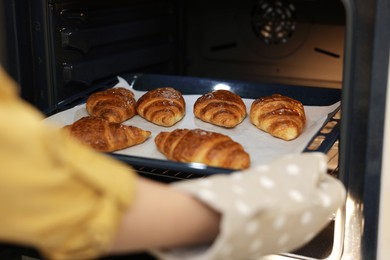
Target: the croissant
pixel 210 148
pixel 162 106
pixel 105 136
pixel 221 107
pixel 114 104
pixel 280 116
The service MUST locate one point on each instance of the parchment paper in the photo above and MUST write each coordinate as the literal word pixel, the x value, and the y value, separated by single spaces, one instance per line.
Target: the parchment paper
pixel 261 146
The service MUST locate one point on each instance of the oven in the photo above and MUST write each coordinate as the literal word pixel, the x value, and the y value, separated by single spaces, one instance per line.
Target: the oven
pixel 60 51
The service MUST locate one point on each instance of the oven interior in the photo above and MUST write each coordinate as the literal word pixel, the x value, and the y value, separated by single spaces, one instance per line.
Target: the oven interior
pixel 75 45
pixel 66 49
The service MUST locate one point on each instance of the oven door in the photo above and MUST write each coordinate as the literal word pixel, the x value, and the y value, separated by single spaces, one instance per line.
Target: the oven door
pixel 383 251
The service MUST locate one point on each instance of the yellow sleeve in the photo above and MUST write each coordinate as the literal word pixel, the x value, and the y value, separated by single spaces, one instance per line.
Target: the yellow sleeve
pixel 56 195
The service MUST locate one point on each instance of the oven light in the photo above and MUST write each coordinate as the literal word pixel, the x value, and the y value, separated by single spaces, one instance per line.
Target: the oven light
pixel 221 86
pixel 197 165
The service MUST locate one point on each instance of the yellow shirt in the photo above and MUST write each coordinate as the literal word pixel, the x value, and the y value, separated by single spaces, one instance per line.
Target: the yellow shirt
pixel 55 195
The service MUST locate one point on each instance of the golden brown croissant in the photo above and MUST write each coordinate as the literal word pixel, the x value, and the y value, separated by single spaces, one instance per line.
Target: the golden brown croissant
pixel 221 107
pixel 162 106
pixel 105 136
pixel 210 148
pixel 278 115
pixel 114 104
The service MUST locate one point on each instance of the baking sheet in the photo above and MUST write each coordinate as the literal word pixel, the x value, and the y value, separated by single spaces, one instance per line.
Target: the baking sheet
pixel 261 146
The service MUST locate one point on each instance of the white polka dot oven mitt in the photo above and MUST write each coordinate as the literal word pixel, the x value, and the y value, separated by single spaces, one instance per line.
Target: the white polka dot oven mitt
pixel 267 209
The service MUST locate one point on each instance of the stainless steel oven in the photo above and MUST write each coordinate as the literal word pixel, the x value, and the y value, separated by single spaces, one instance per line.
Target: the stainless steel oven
pixel 61 50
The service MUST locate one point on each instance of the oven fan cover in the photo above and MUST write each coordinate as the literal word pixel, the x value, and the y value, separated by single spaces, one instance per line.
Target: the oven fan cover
pixel 274 22
pixel 266 39
pixel 272 29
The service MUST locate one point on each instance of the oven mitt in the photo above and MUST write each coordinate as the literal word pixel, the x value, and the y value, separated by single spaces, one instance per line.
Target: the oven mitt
pixel 268 209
